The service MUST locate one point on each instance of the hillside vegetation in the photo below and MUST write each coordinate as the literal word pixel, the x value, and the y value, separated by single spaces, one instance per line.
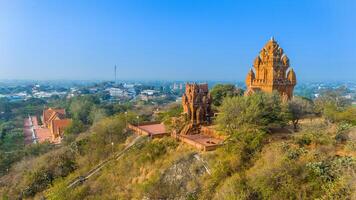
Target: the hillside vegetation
pixel 302 149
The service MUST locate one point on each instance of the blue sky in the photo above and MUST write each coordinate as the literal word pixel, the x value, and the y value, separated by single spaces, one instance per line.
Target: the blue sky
pixel 173 39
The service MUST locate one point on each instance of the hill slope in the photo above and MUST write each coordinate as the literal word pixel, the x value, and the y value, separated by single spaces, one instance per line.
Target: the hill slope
pixel 312 163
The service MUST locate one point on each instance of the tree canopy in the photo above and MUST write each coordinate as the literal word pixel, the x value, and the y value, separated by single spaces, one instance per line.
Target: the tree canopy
pixel 220 91
pixel 299 107
pixel 260 110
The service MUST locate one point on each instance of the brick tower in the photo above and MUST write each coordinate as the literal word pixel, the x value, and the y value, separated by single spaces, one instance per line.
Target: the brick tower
pixel 196 102
pixel 270 72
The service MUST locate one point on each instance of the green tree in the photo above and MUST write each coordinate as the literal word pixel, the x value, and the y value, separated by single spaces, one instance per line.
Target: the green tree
pixel 334 107
pixel 220 91
pixel 299 107
pixel 174 111
pixel 106 134
pixel 331 97
pixel 259 110
pixel 96 114
pixel 54 165
pixel 75 127
pixel 80 108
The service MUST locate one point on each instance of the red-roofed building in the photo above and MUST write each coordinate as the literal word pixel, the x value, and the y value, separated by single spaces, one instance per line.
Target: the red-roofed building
pixel 58 126
pixel 152 129
pixel 55 120
pixel 50 113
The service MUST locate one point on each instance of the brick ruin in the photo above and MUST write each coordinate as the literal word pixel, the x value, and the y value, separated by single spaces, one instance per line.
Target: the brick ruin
pixel 270 72
pixel 196 102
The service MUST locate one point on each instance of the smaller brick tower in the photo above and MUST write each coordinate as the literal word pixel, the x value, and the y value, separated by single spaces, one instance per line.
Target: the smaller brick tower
pixel 196 102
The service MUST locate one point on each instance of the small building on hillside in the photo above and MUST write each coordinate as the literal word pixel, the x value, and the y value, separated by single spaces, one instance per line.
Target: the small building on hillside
pixel 151 129
pixel 56 121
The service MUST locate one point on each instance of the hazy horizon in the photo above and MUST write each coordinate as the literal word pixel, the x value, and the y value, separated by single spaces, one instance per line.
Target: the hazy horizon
pixel 158 80
pixel 173 40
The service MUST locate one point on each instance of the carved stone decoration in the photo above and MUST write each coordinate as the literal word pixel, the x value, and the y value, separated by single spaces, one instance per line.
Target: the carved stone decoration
pixel 196 102
pixel 270 72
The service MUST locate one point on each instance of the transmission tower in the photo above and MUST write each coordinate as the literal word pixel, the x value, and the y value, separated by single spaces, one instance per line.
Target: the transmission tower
pixel 115 70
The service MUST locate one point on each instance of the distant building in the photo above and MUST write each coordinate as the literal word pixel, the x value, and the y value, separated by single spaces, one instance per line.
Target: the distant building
pixel 175 86
pixel 41 94
pixel 270 72
pixel 128 86
pixel 116 92
pixel 348 96
pixel 149 92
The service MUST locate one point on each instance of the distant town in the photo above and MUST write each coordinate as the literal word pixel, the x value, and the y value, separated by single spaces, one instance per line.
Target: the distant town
pixel 151 92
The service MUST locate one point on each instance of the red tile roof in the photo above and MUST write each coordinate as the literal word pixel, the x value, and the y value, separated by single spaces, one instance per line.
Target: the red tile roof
pixel 58 126
pixel 154 128
pixel 204 139
pixel 43 134
pixel 50 112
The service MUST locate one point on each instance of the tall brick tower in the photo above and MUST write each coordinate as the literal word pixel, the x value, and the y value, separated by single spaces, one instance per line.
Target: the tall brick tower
pixel 271 72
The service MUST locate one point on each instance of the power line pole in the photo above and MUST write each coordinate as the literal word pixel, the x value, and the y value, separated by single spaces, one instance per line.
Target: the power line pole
pixel 115 69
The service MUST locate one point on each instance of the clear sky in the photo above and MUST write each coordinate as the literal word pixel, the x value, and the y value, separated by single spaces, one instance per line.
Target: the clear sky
pixel 173 39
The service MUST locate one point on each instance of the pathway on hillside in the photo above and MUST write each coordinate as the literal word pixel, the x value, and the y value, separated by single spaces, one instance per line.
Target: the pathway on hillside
pixel 205 164
pixel 98 167
pixel 29 130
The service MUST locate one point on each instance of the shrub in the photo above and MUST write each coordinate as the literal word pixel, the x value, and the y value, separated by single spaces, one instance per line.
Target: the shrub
pixel 330 169
pixel 313 136
pixel 350 146
pixel 298 108
pixel 54 165
pixel 295 153
pixel 38 149
pixel 343 126
pixel 37 181
pixel 259 110
pixel 235 156
pixel 304 140
pixel 341 137
pixel 220 91
pixel 235 187
pixel 158 147
pixel 75 127
pixel 281 180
